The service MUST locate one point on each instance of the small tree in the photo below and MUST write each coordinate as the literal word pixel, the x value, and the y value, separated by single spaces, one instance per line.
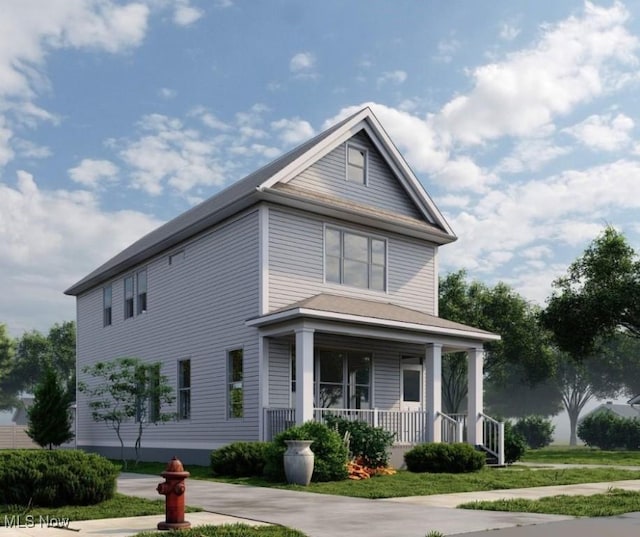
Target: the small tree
pixel 128 389
pixel 49 418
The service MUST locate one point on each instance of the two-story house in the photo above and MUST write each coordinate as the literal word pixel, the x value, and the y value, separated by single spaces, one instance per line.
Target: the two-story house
pixel 309 286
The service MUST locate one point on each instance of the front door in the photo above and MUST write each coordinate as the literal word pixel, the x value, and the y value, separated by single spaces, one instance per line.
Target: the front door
pixel 411 387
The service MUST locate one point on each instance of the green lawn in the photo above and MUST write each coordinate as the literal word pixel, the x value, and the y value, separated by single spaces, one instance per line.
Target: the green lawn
pixel 614 502
pixel 117 507
pixel 410 484
pixel 582 455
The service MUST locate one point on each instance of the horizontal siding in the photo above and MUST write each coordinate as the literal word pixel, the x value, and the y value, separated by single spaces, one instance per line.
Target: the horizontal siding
pixel 383 190
pixel 196 310
pixel 279 373
pixel 296 264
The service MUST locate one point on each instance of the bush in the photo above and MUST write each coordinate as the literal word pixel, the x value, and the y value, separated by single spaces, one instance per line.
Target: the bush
pixel 371 444
pixel 515 445
pixel 605 430
pixel 55 478
pixel 536 431
pixel 444 458
pixel 240 459
pixel 330 463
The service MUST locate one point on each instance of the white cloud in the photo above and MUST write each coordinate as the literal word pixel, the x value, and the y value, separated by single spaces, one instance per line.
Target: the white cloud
pixel 209 119
pixel 393 77
pixel 185 14
pixel 29 150
pixel 605 132
pixel 531 155
pixel 463 174
pixel 293 131
pixel 50 239
pixel 574 61
pixel 93 173
pixel 167 93
pixel 6 152
pixel 509 31
pixel 302 62
pixel 446 49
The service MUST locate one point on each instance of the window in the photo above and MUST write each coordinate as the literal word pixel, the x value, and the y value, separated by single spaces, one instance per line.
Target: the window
pixel 128 297
pixel 142 291
pixel 235 384
pixel 343 379
pixel 153 379
pixel 184 389
pixel 354 259
pixel 356 165
pixel 106 305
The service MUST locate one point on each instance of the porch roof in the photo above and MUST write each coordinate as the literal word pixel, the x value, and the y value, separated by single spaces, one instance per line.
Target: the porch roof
pixel 355 310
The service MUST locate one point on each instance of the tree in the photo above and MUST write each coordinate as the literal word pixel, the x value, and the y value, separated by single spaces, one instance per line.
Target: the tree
pixel 127 389
pixel 599 295
pixel 525 346
pixel 49 417
pixel 35 352
pixel 8 394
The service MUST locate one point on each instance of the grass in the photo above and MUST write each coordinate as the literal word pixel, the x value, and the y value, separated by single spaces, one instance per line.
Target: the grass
pixel 119 506
pixel 229 530
pixel 614 502
pixel 582 455
pixel 410 484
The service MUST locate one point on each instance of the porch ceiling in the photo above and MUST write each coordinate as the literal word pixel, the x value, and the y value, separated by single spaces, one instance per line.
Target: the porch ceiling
pixel 377 315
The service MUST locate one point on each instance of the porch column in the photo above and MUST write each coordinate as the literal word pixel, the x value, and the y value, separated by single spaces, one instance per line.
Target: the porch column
pixel 433 391
pixel 263 390
pixel 475 358
pixel 304 375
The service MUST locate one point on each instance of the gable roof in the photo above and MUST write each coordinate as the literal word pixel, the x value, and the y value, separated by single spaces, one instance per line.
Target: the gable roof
pixel 357 310
pixel 624 411
pixel 265 184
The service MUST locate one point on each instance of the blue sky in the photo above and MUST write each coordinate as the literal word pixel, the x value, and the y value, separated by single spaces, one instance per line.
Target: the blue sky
pixel 519 119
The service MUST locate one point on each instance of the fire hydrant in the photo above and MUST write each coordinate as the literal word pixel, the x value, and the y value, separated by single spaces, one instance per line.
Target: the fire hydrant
pixel 174 488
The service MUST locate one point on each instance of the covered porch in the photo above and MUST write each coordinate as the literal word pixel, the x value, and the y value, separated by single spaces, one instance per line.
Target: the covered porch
pixel 370 361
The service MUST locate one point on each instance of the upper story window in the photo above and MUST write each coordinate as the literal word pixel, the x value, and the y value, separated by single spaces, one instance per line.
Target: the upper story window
pixel 184 389
pixel 141 277
pixel 106 305
pixel 235 395
pixel 355 259
pixel 356 164
pixel 128 297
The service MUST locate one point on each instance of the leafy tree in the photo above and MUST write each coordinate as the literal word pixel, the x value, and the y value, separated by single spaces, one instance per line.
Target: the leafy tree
pixel 49 417
pixel 36 352
pixel 599 295
pixel 524 349
pixel 8 393
pixel 128 389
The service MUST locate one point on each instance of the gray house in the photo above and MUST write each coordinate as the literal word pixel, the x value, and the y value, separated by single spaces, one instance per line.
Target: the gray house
pixel 308 287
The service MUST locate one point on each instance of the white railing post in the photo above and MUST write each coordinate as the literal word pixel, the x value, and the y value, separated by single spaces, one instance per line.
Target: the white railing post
pixel 375 417
pixel 501 444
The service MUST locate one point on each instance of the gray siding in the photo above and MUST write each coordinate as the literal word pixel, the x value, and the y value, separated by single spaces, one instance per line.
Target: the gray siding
pixel 328 176
pixel 296 264
pixel 196 310
pixel 279 373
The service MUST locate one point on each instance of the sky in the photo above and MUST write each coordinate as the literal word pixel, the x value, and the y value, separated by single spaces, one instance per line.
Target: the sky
pixel 519 118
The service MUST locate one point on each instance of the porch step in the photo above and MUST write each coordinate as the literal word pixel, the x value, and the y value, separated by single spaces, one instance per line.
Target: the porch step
pixel 490 458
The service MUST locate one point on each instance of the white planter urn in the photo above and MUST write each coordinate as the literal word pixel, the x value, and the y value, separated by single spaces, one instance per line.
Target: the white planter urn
pixel 298 462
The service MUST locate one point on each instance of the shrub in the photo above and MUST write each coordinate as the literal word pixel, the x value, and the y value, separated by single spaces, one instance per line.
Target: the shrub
pixel 371 444
pixel 240 459
pixel 55 478
pixel 330 463
pixel 444 458
pixel 608 431
pixel 536 430
pixel 515 445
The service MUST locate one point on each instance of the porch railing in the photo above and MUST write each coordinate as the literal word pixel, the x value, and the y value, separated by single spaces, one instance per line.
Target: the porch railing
pixel 493 437
pixel 277 420
pixel 451 429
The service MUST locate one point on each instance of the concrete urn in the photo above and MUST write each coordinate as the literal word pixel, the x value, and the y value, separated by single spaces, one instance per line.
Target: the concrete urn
pixel 298 462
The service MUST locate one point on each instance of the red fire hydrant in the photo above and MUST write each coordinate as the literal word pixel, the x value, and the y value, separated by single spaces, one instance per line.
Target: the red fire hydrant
pixel 174 488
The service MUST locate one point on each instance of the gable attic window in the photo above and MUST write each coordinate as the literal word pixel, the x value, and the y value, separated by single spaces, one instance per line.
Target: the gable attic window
pixel 106 305
pixel 128 297
pixel 356 164
pixel 142 291
pixel 355 259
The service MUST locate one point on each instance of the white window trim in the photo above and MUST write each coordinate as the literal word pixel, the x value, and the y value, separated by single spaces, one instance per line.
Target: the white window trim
pixel 133 295
pixel 138 311
pixel 104 306
pixel 180 390
pixel 366 163
pixel 362 234
pixel 228 382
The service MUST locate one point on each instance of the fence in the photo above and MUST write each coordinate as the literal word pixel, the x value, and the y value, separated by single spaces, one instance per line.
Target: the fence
pixel 14 437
